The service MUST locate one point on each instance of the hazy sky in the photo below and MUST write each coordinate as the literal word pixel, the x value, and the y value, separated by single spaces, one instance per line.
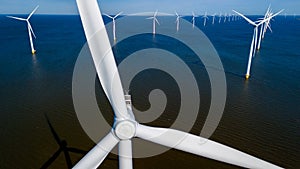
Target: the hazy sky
pixel 184 7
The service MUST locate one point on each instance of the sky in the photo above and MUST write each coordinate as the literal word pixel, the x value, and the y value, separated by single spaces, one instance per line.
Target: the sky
pixel 183 7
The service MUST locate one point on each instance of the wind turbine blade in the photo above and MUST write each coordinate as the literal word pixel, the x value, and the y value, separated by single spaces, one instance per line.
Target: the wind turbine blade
pixel 76 150
pixel 176 14
pixel 200 146
pixel 118 14
pixel 247 19
pixel 107 15
pixel 150 17
pixel 51 159
pixel 96 156
pixel 156 21
pixel 125 154
pixel 269 27
pixel 55 135
pixel 17 18
pixel 30 27
pixel 32 12
pixel 103 56
pixel 155 13
pixel 269 18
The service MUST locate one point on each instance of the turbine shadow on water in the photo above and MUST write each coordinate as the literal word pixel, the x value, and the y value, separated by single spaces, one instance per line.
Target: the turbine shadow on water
pixel 63 148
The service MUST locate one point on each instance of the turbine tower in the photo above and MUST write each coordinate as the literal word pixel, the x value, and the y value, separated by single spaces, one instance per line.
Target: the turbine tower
pixel 114 23
pixel 154 22
pixel 254 38
pixel 29 28
pixel 125 126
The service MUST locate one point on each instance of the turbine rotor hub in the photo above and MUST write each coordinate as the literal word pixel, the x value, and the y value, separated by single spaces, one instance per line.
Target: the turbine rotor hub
pixel 125 129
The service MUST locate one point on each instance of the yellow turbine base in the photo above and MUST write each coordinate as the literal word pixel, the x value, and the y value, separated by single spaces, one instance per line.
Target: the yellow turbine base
pixel 247 77
pixel 33 52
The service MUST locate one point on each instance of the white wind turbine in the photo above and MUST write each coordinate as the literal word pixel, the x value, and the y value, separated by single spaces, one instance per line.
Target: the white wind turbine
pixel 29 27
pixel 205 17
pixel 213 18
pixel 125 126
pixel 194 19
pixel 114 23
pixel 225 17
pixel 220 17
pixel 154 22
pixel 254 38
pixel 264 27
pixel 177 21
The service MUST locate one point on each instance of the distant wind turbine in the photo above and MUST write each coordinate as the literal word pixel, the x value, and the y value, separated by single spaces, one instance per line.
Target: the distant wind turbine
pixel 194 19
pixel 254 38
pixel 177 21
pixel 114 23
pixel 220 17
pixel 264 27
pixel 213 18
pixel 154 21
pixel 29 27
pixel 225 17
pixel 205 17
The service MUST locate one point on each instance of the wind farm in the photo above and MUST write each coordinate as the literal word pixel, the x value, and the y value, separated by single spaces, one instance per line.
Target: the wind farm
pixel 130 68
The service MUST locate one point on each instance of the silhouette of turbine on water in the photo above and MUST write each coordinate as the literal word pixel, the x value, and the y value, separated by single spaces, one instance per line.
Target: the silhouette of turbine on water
pixel 63 147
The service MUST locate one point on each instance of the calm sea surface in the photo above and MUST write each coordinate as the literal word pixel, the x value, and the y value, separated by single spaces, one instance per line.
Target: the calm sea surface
pixel 261 117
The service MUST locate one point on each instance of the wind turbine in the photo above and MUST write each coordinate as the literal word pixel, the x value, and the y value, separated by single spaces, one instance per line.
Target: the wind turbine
pixel 205 17
pixel 177 21
pixel 225 17
pixel 125 126
pixel 220 17
pixel 194 19
pixel 213 18
pixel 114 23
pixel 29 27
pixel 264 27
pixel 154 21
pixel 254 38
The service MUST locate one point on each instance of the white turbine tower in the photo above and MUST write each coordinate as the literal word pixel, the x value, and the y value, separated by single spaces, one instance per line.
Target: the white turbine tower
pixel 114 23
pixel 254 38
pixel 194 19
pixel 125 126
pixel 177 21
pixel 205 17
pixel 154 22
pixel 29 27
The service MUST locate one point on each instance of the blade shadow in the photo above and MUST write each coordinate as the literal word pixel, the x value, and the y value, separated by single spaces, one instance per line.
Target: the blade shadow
pixel 63 148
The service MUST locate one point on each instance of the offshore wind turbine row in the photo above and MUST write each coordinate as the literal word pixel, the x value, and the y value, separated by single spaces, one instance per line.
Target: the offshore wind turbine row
pixel 256 38
pixel 263 23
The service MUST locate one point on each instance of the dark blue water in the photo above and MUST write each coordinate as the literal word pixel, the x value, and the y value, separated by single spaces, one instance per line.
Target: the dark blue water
pixel 262 115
